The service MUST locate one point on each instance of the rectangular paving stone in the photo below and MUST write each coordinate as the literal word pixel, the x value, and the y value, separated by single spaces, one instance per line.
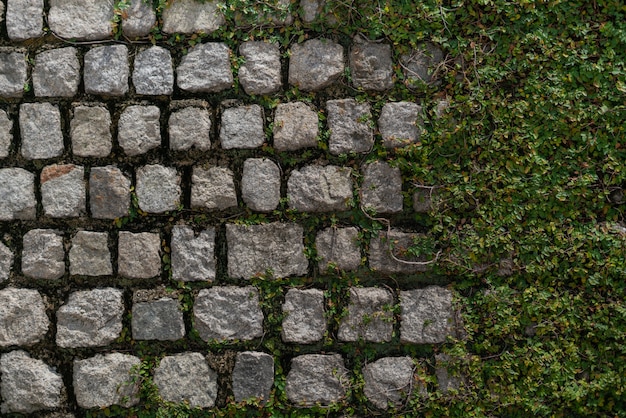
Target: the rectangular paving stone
pixel 205 69
pixel 339 248
pixel 400 124
pixel 388 253
pixel 253 376
pixel 6 262
pixel 427 315
pixel 315 188
pixel 351 127
pixel 295 126
pixel 63 191
pixel 83 20
pixel 43 254
pixel 17 194
pixel 56 73
pixel 369 317
pixel 139 19
pixel 260 73
pixel 158 188
pixel 13 68
pixel 139 129
pixel 109 193
pixel 23 319
pixel 381 190
pixel 106 70
pixel 242 127
pixel 186 377
pixel 388 381
pixel 316 379
pixel 153 73
pixel 90 255
pixel 90 131
pixel 40 128
pixel 305 322
pixel 371 65
pixel 315 64
pixel 260 184
pixel 160 320
pixel 190 16
pixel 190 127
pixel 24 19
pixel 213 188
pixel 193 255
pixel 6 134
pixel 139 254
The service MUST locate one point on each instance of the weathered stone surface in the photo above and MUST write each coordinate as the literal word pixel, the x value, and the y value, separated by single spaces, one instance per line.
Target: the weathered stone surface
pixel 159 319
pixel 381 190
pixel 189 16
pixel 105 380
pixel 63 190
pixel 6 262
pixel 158 188
pixel 106 70
pixel 153 73
pixel 24 19
pixel 29 385
pixel 388 380
pixel 400 124
pixel 260 73
pixel 6 134
pixel 84 20
pixel 12 73
pixel 205 69
pixel 139 254
pixel 317 379
pixel 388 253
pixel 311 9
pixel 43 254
pixel 370 315
pixel 304 322
pixel 213 188
pixel 90 255
pixel 253 376
pixel 228 313
pixel 242 127
pixel 56 73
pixel 295 127
pixel 139 129
pixel 421 65
pixel 260 184
pixel 190 127
pixel 186 377
pixel 23 319
pixel 446 381
pixel 426 315
pixel 423 200
pixel 338 247
pixel 350 127
pixel 109 193
pixel 371 65
pixel 193 255
pixel 17 194
pixel 90 318
pixel 316 188
pixel 315 64
pixel 139 19
pixel 90 131
pixel 40 128
pixel 255 249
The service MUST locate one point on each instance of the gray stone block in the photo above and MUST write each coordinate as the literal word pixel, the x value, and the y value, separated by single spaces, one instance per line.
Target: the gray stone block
pixel 193 255
pixel 242 127
pixel 153 73
pixel 388 253
pixel 29 385
pixel 6 134
pixel 90 131
pixel 228 313
pixel 109 193
pixel 17 194
pixel 213 188
pixel 315 64
pixel 317 188
pixel 400 124
pixel 205 69
pixel 190 127
pixel 370 316
pixel 446 380
pixel 423 200
pixel 421 64
pixel 139 254
pixel 158 188
pixel 63 191
pixel 105 380
pixel 317 379
pixel 186 377
pixel 106 70
pixel 12 72
pixel 159 319
pixel 260 184
pixel 90 318
pixel 43 254
pixel 139 19
pixel 295 127
pixel 260 73
pixel 255 249
pixel 89 255
pixel 427 315
pixel 6 262
pixel 253 376
pixel 23 319
pixel 381 190
pixel 350 125
pixel 40 128
pixel 311 9
pixel 56 73
pixel 24 19
pixel 388 381
pixel 304 321
pixel 83 20
pixel 189 16
pixel 371 65
pixel 338 247
pixel 139 129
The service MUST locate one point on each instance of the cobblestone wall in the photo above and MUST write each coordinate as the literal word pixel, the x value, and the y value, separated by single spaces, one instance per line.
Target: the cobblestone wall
pixel 152 205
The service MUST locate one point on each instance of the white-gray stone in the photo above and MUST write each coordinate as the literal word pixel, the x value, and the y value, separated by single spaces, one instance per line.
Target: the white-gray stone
pixel 350 124
pixel 389 253
pixel 158 188
pixel 295 126
pixel 40 128
pixel 17 194
pixel 260 184
pixel 43 254
pixel 190 127
pixel 369 317
pixel 56 73
pixel 422 64
pixel 388 380
pixel 106 70
pixel 6 262
pixel 139 254
pixel 139 129
pixel 338 248
pixel 242 127
pixel 90 131
pixel 400 124
pixel 213 188
pixel 260 73
pixel 13 68
pixel 109 193
pixel 159 319
pixel 371 65
pixel 426 316
pixel 90 255
pixel 6 134
pixel 315 64
pixel 83 20
pixel 193 255
pixel 63 191
pixel 24 19
pixel 153 73
pixel 381 190
pixel 316 188
pixel 205 69
pixel 139 19
pixel 189 16
pixel 317 379
pixel 253 376
pixel 23 319
pixel 186 377
pixel 304 321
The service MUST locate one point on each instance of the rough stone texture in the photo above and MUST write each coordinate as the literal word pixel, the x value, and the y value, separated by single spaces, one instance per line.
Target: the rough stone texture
pixel 190 127
pixel 90 255
pixel 159 319
pixel 43 254
pixel 193 255
pixel 338 247
pixel 12 73
pixel 106 70
pixel 388 381
pixel 228 313
pixel 17 194
pixel 158 188
pixel 242 127
pixel 83 20
pixel 109 193
pixel 382 188
pixel 446 381
pixel 24 19
pixel 6 262
pixel 90 318
pixel 90 131
pixel 349 124
pixel 56 73
pixel 6 134
pixel 186 377
pixel 370 316
pixel 28 384
pixel 371 65
pixel 40 128
pixel 213 188
pixel 426 316
pixel 304 322
pixel 139 20
pixel 189 16
pixel 23 319
pixel 255 249
pixel 320 189
pixel 420 66
pixel 311 9
pixel 63 193
pixel 260 73
pixel 317 379
pixel 423 200
pixel 253 376
pixel 139 129
pixel 315 64
pixel 396 243
pixel 205 69
pixel 295 127
pixel 400 124
pixel 105 380
pixel 153 73
pixel 139 254
pixel 260 184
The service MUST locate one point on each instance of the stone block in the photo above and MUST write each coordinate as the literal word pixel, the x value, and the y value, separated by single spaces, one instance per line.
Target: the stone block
pixel 153 73
pixel 370 316
pixel 160 320
pixel 253 376
pixel 227 313
pixel 90 131
pixel 311 9
pixel 315 64
pixel 139 254
pixel 400 124
pixel 422 64
pixel 190 127
pixel 446 379
pixel 40 128
pixel 295 127
pixel 423 200
pixel 190 16
pixel 388 381
pixel 317 379
pixel 82 20
pixel 338 247
pixel 17 194
pixel 43 254
pixel 90 318
pixel 260 73
pixel 381 190
pixel 90 255
pixel 56 73
pixel 139 129
pixel 213 188
pixel 139 19
pixel 304 321
pixel 193 255
pixel 13 68
pixel 316 188
pixel 6 134
pixel 255 249
pixel 427 315
pixel 24 19
pixel 242 127
pixel 388 253
pixel 109 193
pixel 6 262
pixel 371 65
pixel 63 190
pixel 23 319
pixel 205 69
pixel 260 184
pixel 350 125
pixel 158 188
pixel 106 70
pixel 186 377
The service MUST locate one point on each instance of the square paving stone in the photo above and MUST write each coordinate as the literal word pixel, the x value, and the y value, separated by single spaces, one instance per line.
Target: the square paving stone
pixel 6 262
pixel 13 68
pixel 56 73
pixel 242 127
pixel 304 321
pixel 109 193
pixel 422 64
pixel 43 254
pixel 63 191
pixel 158 188
pixel 295 126
pixel 253 376
pixel 388 253
pixel 400 124
pixel 260 73
pixel 205 69
pixel 139 129
pixel 315 64
pixel 388 381
pixel 23 319
pixel 82 20
pixel 371 65
pixel 90 255
pixel 190 16
pixel 193 255
pixel 90 131
pixel 153 73
pixel 106 70
pixel 40 128
pixel 6 134
pixel 186 377
pixel 317 188
pixel 260 184
pixel 427 315
pixel 350 125
pixel 24 19
pixel 139 254
pixel 160 320
pixel 17 194
pixel 213 188
pixel 370 315
pixel 317 379
pixel 423 200
pixel 338 247
pixel 381 190
pixel 190 127
pixel 139 19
